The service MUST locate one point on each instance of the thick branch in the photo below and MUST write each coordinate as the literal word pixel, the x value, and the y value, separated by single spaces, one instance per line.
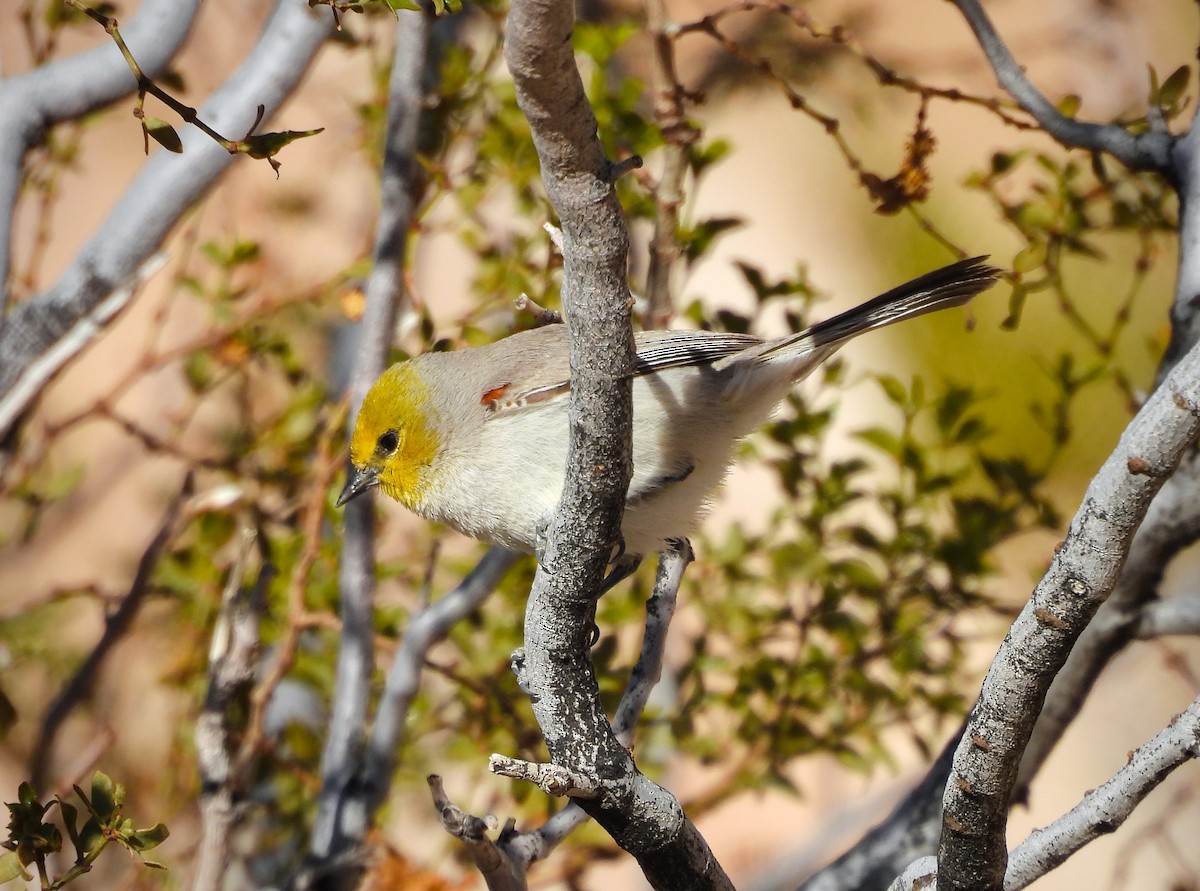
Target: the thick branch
pixel 522 849
pixel 1084 571
pixel 1172 523
pixel 909 831
pixel 1145 151
pixel 1185 311
pixel 642 818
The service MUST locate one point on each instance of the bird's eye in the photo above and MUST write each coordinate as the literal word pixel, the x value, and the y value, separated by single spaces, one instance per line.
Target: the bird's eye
pixel 387 442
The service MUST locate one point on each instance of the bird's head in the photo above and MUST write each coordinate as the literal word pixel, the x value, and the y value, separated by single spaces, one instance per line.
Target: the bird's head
pixel 395 438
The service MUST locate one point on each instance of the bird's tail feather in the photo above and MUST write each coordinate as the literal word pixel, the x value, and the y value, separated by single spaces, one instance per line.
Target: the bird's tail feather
pixel 951 285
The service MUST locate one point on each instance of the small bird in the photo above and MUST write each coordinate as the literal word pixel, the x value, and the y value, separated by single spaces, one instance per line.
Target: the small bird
pixel 477 438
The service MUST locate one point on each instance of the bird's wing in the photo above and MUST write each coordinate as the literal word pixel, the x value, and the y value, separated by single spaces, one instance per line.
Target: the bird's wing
pixel 656 351
pixel 660 350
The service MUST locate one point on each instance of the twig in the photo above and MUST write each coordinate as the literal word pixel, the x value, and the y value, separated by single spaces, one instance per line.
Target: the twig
pixel 553 779
pixel 491 858
pixel 68 90
pixel 264 146
pixel 680 135
pixel 116 625
pixel 1175 615
pixel 326 465
pixel 541 315
pixel 660 609
pixel 1104 809
pixel 1147 151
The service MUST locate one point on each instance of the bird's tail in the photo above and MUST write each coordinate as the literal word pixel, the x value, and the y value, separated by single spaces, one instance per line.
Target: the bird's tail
pixel 951 285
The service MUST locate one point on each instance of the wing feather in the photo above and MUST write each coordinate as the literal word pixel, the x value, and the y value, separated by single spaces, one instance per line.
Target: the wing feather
pixel 656 351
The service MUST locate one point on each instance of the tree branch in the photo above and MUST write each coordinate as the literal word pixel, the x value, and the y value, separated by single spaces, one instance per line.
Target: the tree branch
pixel 116 625
pixel 33 102
pixel 232 663
pixel 502 868
pixel 1175 615
pixel 520 849
pixel 660 609
pixel 1145 151
pixel 425 629
pixel 909 832
pixel 1172 523
pixel 74 340
pixel 343 817
pixel 1084 571
pixel 643 818
pixel 680 135
pixel 167 187
pixel 1105 808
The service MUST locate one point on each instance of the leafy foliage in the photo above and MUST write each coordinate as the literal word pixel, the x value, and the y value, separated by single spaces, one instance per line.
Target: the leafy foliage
pixel 840 622
pixel 32 841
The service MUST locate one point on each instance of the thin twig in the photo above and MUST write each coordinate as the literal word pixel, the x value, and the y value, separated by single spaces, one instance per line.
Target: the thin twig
pixel 263 146
pixel 116 626
pixel 1146 151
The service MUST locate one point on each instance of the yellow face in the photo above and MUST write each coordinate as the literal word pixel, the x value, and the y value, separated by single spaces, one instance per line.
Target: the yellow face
pixel 394 442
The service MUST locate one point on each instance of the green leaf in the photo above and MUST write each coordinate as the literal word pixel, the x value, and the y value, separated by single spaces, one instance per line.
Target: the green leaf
pixel 1068 106
pixel 197 370
pixel 884 440
pixel 1172 88
pixel 699 238
pixel 703 156
pixel 267 145
pixel 893 389
pixel 91 837
pixel 164 134
pixel 70 815
pixel 104 796
pixel 10 863
pixel 952 406
pixel 8 714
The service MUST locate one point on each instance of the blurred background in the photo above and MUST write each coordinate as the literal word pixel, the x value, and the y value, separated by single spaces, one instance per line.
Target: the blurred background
pixel 232 358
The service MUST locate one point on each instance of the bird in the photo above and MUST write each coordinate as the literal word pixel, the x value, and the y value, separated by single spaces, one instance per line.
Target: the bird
pixel 477 438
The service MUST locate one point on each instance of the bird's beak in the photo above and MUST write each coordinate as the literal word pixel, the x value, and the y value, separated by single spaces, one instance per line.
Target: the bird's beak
pixel 362 479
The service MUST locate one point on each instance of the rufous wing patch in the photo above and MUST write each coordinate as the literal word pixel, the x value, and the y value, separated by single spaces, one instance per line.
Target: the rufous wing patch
pixel 490 397
pixel 499 400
